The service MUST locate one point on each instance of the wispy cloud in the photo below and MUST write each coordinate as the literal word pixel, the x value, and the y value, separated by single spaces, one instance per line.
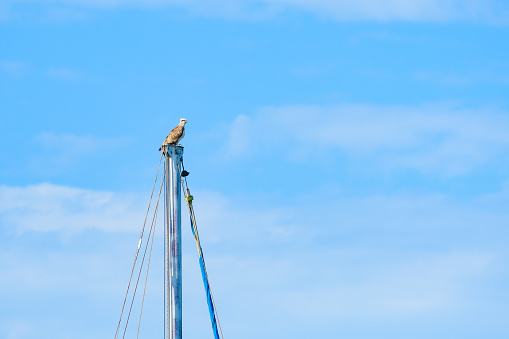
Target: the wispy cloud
pixel 48 207
pixel 65 74
pixel 397 10
pixel 336 291
pixel 371 10
pixel 3 12
pixel 12 67
pixel 379 258
pixel 382 258
pixel 225 221
pixel 17 68
pixel 429 138
pixel 495 75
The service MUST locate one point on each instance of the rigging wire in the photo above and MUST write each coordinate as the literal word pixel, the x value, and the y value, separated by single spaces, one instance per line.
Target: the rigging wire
pixel 148 266
pixel 143 260
pixel 165 254
pixel 138 249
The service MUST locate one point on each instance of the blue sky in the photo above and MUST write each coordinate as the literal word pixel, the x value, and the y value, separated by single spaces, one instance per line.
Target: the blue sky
pixel 348 162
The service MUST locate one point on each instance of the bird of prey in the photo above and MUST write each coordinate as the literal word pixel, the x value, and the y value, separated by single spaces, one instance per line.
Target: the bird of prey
pixel 175 135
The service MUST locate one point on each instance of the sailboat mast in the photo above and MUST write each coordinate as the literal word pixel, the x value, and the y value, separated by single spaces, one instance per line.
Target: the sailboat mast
pixel 173 242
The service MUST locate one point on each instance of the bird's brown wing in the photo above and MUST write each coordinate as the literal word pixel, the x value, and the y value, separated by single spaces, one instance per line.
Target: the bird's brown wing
pixel 174 135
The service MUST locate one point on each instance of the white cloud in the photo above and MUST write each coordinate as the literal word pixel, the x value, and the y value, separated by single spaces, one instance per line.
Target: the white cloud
pixel 429 138
pixel 382 258
pixel 65 74
pixel 493 75
pixel 221 220
pixel 4 13
pixel 18 68
pixel 391 219
pixel 335 289
pixel 16 330
pixel 417 10
pixel 12 67
pixel 373 258
pixel 376 10
pixel 239 138
pixel 48 207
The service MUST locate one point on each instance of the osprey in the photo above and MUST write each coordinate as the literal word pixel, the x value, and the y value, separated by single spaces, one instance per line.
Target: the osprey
pixel 175 135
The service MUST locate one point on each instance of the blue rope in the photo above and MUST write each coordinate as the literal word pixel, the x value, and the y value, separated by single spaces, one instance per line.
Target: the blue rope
pixel 206 284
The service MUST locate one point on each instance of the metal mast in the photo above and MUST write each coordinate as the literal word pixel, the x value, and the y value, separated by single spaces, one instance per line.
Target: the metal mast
pixel 173 242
